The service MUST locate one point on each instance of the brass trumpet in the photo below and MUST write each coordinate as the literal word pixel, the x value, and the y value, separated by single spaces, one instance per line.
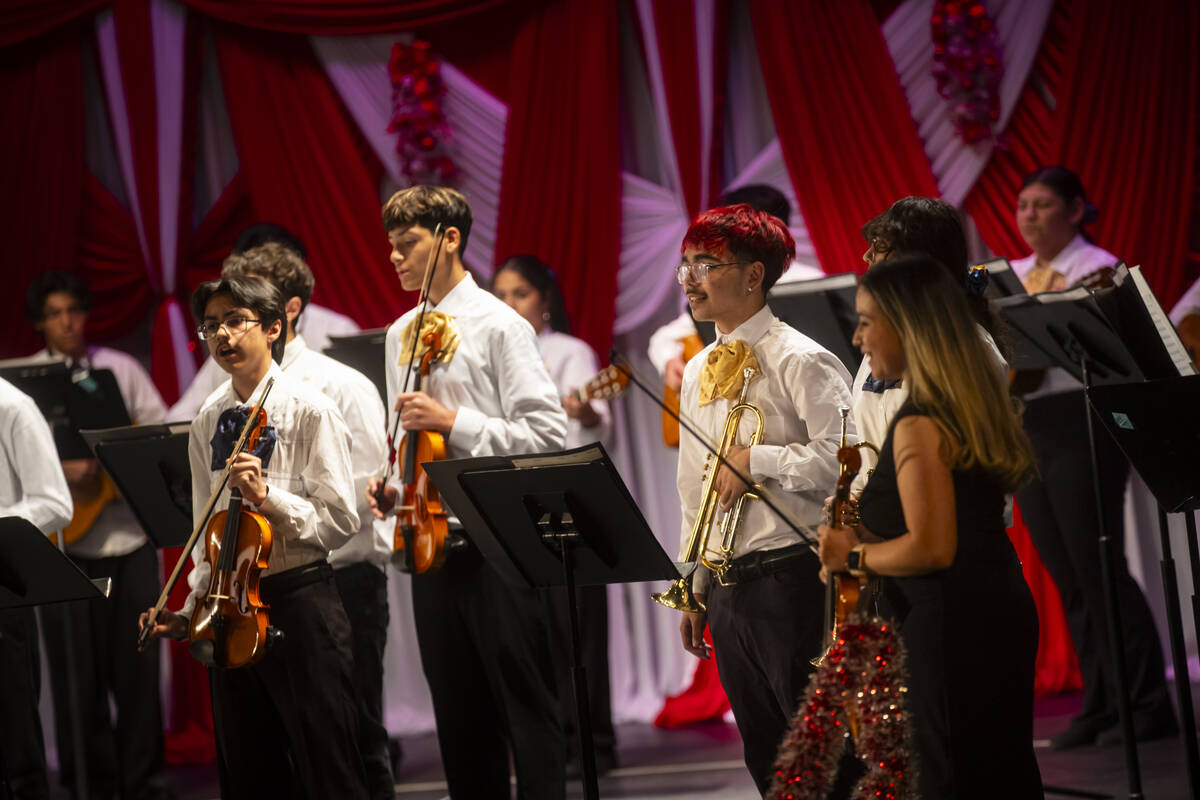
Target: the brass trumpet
pixel 679 595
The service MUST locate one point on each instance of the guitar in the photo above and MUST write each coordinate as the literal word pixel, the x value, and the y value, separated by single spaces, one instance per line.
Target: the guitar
pixel 670 423
pixel 605 384
pixel 88 502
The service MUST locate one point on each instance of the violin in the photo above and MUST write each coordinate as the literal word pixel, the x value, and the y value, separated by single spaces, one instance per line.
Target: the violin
pixel 230 627
pixel 419 542
pixel 240 590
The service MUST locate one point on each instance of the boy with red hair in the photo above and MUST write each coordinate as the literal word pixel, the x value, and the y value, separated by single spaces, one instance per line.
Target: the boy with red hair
pixel 764 611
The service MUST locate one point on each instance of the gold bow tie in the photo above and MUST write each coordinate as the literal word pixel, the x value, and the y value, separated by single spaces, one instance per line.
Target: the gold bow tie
pixel 724 371
pixel 436 326
pixel 1044 279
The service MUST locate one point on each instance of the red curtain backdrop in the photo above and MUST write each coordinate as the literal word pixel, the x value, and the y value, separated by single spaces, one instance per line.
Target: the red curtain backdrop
pixel 21 20
pixel 560 193
pixel 340 18
pixel 848 137
pixel 306 166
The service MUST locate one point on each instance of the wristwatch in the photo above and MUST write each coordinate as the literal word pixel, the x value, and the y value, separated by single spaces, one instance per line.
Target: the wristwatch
pixel 856 561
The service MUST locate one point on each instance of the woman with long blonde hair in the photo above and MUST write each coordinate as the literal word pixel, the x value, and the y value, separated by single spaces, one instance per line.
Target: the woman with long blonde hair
pixel 932 526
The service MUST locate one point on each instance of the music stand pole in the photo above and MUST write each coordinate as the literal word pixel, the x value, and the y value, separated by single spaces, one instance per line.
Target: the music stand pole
pixel 73 701
pixel 1189 520
pixel 1183 687
pixel 1124 708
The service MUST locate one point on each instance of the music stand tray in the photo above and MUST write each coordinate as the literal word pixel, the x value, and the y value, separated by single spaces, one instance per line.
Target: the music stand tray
pixel 149 465
pixel 1002 280
pixel 364 352
pixel 823 310
pixel 33 572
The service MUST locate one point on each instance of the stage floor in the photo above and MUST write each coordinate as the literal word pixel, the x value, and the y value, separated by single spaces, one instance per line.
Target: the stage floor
pixel 703 762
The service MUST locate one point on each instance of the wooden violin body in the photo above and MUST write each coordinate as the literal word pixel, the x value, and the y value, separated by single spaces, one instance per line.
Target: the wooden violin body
pixel 230 624
pixel 419 541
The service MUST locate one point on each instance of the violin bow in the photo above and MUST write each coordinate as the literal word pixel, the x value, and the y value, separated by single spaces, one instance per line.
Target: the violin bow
pixel 807 533
pixel 144 634
pixel 423 298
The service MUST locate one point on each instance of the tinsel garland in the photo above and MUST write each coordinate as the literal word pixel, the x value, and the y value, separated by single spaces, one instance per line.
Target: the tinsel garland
pixel 423 136
pixel 967 66
pixel 859 686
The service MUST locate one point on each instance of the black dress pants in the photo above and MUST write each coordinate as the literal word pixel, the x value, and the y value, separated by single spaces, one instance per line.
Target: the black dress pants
pixel 127 759
pixel 287 726
pixel 22 750
pixel 592 605
pixel 363 589
pixel 485 651
pixel 765 631
pixel 1059 507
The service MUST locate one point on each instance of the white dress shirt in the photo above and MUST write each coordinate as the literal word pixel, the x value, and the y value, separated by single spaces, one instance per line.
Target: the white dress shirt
pixel 310 502
pixel 505 401
pixel 666 343
pixel 801 388
pixel 1074 262
pixel 32 485
pixel 361 408
pixel 1188 304
pixel 316 325
pixel 116 531
pixel 572 363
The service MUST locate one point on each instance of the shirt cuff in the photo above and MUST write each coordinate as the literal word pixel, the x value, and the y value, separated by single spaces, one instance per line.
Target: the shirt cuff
pixel 764 461
pixel 467 427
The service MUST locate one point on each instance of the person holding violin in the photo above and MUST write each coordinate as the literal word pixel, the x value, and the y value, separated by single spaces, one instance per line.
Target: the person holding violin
pixel 286 725
pixel 485 645
pixel 127 757
pixel 765 611
pixel 530 287
pixel 359 566
pixel 932 525
pixel 1059 504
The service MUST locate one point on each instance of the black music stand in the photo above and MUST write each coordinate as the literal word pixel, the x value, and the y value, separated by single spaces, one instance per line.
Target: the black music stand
pixel 149 465
pixel 823 310
pixel 364 352
pixel 88 399
pixel 1154 423
pixel 1069 329
pixel 556 519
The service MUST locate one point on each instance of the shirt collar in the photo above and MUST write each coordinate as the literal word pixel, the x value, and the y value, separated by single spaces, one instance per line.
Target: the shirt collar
pixel 293 350
pixel 752 329
pixel 458 297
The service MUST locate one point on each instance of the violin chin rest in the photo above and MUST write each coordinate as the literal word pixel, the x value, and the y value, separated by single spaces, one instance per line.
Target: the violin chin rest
pixel 275 638
pixel 454 542
pixel 202 651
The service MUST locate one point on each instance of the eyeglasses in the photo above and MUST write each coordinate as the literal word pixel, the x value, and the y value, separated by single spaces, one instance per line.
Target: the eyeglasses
pixel 699 270
pixel 208 330
pixel 877 251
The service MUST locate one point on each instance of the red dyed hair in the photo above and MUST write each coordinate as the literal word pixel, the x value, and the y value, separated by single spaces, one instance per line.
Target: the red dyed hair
pixel 745 234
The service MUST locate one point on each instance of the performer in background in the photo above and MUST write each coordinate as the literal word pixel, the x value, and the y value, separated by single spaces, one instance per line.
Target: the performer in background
pixel 32 487
pixel 766 613
pixel 359 565
pixel 128 757
pixel 666 343
pixel 932 522
pixel 485 645
pixel 285 726
pixel 1059 504
pixel 316 323
pixel 531 289
pixel 910 226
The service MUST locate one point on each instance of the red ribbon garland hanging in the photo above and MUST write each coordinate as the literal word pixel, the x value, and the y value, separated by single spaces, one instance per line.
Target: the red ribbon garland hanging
pixel 423 135
pixel 968 66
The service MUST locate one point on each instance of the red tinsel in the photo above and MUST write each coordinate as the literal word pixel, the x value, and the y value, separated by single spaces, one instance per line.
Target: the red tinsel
pixel 858 691
pixel 967 66
pixel 423 135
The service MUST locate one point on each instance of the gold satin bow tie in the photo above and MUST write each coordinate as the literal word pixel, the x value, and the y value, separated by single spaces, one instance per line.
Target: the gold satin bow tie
pixel 724 371
pixel 435 325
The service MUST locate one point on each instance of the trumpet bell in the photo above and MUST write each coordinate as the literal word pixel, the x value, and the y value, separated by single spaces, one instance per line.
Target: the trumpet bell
pixel 679 597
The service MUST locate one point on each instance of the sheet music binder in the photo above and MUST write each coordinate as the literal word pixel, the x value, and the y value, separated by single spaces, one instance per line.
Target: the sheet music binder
pixel 1002 279
pixel 823 310
pixel 149 465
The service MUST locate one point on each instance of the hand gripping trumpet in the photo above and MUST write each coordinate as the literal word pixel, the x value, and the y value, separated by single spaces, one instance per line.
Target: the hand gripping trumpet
pixel 679 595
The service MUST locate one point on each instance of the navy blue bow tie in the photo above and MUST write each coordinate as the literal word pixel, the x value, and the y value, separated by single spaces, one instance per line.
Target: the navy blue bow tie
pixel 229 428
pixel 873 384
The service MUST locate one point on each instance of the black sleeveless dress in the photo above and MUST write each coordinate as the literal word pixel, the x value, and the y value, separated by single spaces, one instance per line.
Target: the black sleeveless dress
pixel 971 633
